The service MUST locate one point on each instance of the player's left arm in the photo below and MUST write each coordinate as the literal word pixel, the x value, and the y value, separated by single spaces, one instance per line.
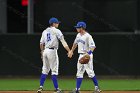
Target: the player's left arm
pixel 91 45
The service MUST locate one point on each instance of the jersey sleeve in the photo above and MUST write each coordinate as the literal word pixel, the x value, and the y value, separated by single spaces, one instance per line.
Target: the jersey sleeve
pixel 59 35
pixel 42 40
pixel 91 42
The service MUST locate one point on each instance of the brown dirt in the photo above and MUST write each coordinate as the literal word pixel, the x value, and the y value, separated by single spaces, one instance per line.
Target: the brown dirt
pixel 67 92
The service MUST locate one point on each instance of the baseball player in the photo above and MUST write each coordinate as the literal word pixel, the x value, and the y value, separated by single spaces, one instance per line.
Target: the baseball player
pixel 49 44
pixel 86 46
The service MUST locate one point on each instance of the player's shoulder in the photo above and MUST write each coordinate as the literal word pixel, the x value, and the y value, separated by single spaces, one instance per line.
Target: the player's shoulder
pixel 56 29
pixel 44 31
pixel 53 28
pixel 88 34
pixel 78 35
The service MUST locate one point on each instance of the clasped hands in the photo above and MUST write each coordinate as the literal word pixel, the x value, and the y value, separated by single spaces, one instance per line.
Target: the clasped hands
pixel 70 54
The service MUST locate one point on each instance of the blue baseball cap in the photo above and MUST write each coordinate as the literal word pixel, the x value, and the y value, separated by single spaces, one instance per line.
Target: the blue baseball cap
pixel 80 24
pixel 53 20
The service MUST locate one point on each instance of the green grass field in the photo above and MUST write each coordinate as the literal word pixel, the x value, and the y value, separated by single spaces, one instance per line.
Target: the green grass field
pixel 69 84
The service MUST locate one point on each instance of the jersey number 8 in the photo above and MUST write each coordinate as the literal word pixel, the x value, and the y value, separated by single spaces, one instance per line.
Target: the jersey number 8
pixel 48 37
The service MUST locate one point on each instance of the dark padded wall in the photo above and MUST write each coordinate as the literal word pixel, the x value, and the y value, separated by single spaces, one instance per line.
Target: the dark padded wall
pixel 114 55
pixel 101 15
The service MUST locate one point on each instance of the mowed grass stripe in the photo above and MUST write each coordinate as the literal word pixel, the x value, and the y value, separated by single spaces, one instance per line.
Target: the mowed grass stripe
pixel 69 84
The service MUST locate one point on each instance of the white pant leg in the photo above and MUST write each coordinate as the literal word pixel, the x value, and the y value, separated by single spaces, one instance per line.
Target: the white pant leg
pixel 53 61
pixel 46 65
pixel 80 68
pixel 89 67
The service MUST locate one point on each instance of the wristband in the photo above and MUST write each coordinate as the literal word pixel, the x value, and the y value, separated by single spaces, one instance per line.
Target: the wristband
pixel 89 52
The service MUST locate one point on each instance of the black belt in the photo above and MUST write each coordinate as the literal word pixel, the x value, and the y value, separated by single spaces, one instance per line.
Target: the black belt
pixel 82 53
pixel 52 48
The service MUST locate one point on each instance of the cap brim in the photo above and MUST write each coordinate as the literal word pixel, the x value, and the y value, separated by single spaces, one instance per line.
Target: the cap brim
pixel 59 22
pixel 77 26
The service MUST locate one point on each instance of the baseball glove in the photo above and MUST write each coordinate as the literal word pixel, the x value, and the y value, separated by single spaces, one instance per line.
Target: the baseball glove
pixel 85 59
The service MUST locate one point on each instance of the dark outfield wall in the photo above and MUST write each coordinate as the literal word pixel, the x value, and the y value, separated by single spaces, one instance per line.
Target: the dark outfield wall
pixel 114 55
pixel 101 15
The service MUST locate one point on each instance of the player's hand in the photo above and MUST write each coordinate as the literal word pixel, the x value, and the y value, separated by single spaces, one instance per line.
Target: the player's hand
pixel 41 54
pixel 70 53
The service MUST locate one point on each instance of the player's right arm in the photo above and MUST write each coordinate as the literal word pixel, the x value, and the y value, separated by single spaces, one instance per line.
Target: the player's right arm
pixel 73 48
pixel 42 44
pixel 42 47
pixel 64 43
pixel 75 44
pixel 61 38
